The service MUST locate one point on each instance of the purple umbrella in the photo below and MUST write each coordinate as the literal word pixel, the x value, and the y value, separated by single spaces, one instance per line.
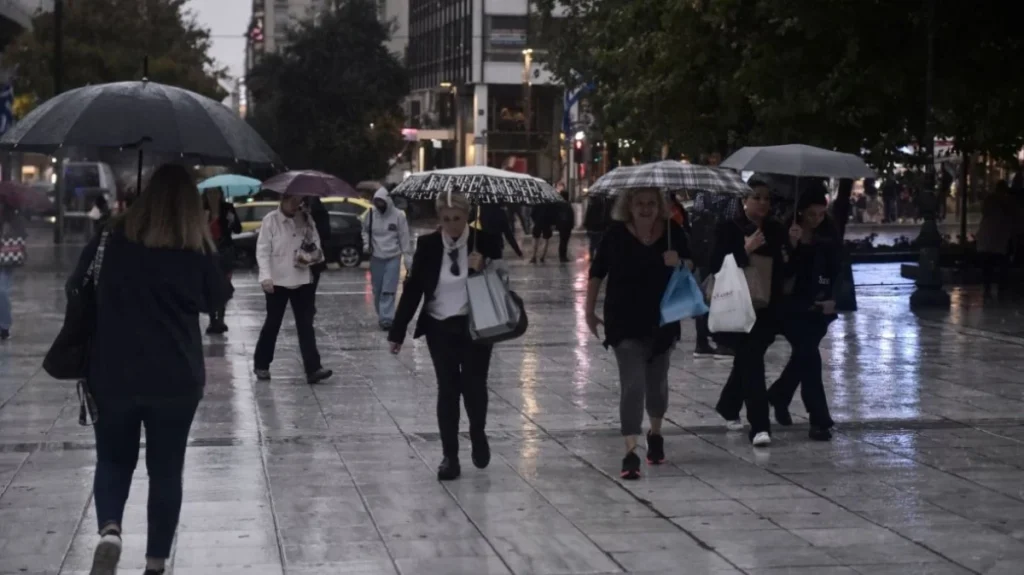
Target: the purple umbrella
pixel 309 183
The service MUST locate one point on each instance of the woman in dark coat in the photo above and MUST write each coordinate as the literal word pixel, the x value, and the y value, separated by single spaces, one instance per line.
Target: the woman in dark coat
pixel 809 308
pixel 146 370
pixel 753 233
pixel 638 255
pixel 223 221
pixel 441 266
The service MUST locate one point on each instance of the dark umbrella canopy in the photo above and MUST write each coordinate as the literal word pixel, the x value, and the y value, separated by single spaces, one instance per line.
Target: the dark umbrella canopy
pixel 153 117
pixel 309 183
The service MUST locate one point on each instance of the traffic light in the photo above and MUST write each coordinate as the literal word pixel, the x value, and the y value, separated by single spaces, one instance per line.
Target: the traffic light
pixel 578 144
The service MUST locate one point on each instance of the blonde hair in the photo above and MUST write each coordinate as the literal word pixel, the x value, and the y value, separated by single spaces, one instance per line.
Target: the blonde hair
pixel 455 200
pixel 169 213
pixel 623 209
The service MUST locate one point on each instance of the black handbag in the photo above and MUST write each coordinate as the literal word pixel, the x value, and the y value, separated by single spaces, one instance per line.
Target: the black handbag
pixel 68 357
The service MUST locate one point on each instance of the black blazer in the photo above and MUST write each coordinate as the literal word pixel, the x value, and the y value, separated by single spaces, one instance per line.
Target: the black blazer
pixel 421 284
pixel 730 236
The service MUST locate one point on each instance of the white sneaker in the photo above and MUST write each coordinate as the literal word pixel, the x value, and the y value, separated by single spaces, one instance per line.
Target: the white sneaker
pixel 107 555
pixel 762 439
pixel 734 425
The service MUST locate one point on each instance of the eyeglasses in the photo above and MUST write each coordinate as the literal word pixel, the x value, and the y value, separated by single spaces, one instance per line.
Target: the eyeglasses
pixel 454 255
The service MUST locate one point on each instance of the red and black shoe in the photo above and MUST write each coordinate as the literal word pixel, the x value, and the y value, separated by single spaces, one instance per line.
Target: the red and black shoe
pixel 655 449
pixel 630 466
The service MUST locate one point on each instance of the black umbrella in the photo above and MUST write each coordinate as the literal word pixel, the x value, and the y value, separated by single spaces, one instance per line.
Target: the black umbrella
pixel 147 116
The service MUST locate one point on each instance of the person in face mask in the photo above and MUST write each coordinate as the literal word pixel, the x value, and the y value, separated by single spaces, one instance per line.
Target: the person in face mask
pixel 387 240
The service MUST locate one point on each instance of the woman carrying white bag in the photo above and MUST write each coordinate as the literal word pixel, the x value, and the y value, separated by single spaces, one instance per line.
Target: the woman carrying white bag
pixel 751 264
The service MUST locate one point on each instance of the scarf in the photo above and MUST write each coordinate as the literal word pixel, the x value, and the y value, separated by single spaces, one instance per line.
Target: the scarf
pixel 455 244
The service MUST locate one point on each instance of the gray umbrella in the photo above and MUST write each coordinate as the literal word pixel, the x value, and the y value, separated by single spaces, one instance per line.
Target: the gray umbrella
pixel 147 116
pixel 798 160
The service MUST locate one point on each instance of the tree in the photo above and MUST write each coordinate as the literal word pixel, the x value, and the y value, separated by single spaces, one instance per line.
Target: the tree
pixel 107 40
pixel 331 99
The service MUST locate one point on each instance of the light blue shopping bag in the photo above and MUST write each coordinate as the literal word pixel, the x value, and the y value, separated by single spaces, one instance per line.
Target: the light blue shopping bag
pixel 683 298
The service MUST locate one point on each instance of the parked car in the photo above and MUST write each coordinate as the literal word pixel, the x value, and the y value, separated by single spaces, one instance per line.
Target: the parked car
pixel 345 247
pixel 252 213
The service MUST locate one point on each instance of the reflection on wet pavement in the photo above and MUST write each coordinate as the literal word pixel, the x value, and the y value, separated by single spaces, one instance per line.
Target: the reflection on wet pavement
pixel 924 477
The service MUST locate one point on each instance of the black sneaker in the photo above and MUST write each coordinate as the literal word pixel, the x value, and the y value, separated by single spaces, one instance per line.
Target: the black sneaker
pixel 820 433
pixel 704 351
pixel 782 415
pixel 154 572
pixel 262 374
pixel 481 451
pixel 449 469
pixel 724 353
pixel 318 376
pixel 630 466
pixel 655 449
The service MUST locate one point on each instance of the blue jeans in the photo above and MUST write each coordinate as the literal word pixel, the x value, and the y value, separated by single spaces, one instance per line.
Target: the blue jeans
pixel 6 279
pixel 118 428
pixel 384 274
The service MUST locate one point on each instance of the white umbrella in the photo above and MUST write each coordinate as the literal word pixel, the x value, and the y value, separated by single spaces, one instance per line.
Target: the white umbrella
pixel 799 160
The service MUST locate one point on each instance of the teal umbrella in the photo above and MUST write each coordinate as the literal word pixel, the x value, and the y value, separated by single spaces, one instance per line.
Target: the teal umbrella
pixel 234 186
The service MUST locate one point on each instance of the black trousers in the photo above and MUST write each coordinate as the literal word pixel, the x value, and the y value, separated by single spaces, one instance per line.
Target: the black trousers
pixel 746 384
pixel 804 332
pixel 303 303
pixel 563 244
pixel 118 431
pixel 994 269
pixel 461 366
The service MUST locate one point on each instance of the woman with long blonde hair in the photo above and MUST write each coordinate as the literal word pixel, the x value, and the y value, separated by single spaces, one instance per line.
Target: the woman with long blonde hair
pixel 155 272
pixel 637 256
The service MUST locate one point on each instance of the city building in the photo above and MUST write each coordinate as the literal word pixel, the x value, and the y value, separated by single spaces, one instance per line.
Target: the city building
pixel 268 28
pixel 478 94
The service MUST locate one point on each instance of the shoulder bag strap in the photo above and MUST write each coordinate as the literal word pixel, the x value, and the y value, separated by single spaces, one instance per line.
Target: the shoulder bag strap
pixel 93 274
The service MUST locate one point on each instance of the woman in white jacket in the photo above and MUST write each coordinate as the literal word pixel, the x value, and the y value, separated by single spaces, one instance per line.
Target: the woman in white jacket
pixel 287 246
pixel 386 238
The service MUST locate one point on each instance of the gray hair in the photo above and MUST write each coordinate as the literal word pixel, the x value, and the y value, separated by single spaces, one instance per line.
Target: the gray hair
pixel 450 199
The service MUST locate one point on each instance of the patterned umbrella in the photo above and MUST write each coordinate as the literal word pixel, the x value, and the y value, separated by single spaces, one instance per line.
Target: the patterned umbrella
pixel 309 183
pixel 483 185
pixel 670 176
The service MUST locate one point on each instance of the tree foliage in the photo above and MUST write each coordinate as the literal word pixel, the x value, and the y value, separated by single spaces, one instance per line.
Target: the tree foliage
pixel 713 75
pixel 330 100
pixel 107 40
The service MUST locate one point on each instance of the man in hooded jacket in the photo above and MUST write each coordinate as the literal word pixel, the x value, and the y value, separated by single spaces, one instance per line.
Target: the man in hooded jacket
pixel 387 240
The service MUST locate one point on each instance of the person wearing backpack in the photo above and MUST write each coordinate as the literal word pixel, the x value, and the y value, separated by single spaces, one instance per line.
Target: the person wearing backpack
pixel 387 239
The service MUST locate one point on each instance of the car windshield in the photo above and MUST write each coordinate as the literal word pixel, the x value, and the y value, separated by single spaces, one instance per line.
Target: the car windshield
pixel 77 177
pixel 257 213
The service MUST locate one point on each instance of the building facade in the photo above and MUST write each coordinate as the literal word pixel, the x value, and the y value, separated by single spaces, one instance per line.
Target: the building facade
pixel 478 95
pixel 268 27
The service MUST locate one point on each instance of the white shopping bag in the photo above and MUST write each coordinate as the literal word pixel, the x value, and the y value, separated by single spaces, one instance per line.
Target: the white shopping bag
pixel 495 313
pixel 731 308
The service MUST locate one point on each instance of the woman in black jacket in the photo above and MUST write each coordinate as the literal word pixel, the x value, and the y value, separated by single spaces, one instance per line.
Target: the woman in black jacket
pixel 638 256
pixel 157 273
pixel 441 265
pixel 810 307
pixel 223 221
pixel 753 232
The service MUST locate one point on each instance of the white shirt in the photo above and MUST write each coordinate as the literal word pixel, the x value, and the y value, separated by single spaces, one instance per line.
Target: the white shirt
pixel 450 297
pixel 280 238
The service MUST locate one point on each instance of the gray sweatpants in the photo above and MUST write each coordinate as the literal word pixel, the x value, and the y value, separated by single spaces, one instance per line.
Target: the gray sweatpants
pixel 643 380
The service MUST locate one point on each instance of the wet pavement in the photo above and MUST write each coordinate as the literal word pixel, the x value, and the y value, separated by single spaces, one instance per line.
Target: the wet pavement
pixel 924 476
